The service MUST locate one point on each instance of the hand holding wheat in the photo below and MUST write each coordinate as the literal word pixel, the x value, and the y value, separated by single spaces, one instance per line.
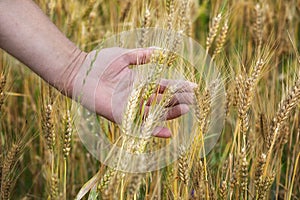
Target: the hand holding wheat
pixel 99 78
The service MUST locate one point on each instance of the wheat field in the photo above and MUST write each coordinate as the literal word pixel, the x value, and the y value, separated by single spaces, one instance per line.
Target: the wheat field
pixel 255 46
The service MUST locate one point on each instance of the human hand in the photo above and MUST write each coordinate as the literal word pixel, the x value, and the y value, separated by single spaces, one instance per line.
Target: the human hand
pixel 100 90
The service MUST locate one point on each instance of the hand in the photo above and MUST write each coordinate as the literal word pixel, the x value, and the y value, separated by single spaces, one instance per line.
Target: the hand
pixel 101 91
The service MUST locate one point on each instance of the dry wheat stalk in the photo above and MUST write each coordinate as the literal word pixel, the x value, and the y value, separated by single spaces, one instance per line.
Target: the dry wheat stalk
pixel 170 11
pixel 131 109
pixel 221 39
pixel 145 27
pixel 7 169
pixel 223 190
pixel 212 192
pixel 259 171
pixel 213 31
pixel 243 172
pixel 106 179
pixel 49 128
pixel 1 162
pixel 176 44
pixel 285 108
pixel 264 186
pixel 10 160
pixel 246 87
pixel 183 168
pixel 67 135
pixel 158 59
pixel 5 189
pixel 202 185
pixel 2 88
pixel 284 134
pixel 234 178
pixel 54 187
pixel 263 126
pixel 156 113
pixel 183 15
pixel 109 188
pixel 203 106
pixel 125 11
pixel 134 185
pixel 258 25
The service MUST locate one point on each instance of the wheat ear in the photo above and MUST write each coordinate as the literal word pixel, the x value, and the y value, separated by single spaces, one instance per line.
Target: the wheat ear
pixel 183 169
pixel 7 167
pixel 2 89
pixel 213 31
pixel 221 39
pixel 258 28
pixel 223 190
pixel 54 187
pixel 285 108
pixel 244 173
pixel 67 135
pixel 49 128
pixel 145 27
pixel 259 172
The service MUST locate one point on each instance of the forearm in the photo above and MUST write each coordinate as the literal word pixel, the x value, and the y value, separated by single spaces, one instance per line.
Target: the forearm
pixel 27 34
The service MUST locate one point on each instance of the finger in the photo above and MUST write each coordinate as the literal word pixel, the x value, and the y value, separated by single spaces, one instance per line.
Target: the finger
pixel 139 56
pixel 180 85
pixel 177 111
pixel 162 132
pixel 178 98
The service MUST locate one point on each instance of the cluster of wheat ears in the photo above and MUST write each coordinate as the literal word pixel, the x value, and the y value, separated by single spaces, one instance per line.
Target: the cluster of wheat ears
pixel 254 46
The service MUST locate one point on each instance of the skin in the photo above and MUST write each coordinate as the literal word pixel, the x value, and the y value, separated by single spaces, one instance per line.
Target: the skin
pixel 27 34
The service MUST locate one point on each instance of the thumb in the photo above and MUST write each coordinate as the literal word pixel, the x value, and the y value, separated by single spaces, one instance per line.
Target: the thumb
pixel 139 56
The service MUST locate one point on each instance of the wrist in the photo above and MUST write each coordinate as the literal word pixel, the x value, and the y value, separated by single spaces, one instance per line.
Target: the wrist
pixel 69 72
